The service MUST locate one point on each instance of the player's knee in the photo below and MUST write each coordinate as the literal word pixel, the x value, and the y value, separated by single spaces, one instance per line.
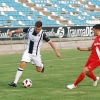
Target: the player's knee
pixel 22 65
pixel 38 69
pixel 85 71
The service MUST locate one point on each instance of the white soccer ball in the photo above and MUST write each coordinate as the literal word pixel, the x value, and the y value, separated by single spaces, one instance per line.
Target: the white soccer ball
pixel 27 83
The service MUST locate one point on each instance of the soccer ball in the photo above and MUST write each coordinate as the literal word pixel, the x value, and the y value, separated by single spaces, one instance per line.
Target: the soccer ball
pixel 27 83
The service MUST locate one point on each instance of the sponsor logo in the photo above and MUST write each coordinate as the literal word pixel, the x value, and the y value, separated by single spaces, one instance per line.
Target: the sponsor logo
pixel 80 32
pixel 4 34
pixel 38 34
pixel 95 44
pixel 69 31
pixel 59 33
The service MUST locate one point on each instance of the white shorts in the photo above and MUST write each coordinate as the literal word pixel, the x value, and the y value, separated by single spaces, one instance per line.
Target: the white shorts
pixel 35 59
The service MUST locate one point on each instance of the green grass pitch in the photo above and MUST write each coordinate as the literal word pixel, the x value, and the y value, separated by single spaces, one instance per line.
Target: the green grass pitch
pixel 50 85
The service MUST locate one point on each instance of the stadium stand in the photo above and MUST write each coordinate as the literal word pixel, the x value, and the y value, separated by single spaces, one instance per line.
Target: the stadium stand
pixel 51 12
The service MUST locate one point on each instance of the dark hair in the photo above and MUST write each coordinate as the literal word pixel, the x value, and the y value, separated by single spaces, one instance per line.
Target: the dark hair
pixel 97 26
pixel 38 24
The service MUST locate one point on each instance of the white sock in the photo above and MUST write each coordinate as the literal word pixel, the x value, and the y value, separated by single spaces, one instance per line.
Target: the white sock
pixel 18 74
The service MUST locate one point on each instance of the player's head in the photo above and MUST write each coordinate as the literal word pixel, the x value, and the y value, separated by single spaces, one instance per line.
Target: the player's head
pixel 38 26
pixel 96 29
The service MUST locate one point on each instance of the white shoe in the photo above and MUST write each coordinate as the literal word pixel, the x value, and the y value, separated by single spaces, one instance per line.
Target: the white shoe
pixel 96 82
pixel 71 86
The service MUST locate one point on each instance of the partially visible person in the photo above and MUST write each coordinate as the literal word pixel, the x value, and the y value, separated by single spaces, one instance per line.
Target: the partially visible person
pixel 32 51
pixel 93 60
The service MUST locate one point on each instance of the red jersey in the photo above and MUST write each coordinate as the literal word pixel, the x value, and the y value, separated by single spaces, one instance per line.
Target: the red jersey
pixel 95 54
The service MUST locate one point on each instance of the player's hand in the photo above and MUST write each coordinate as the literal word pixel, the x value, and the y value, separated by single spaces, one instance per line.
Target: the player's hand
pixel 58 55
pixel 9 34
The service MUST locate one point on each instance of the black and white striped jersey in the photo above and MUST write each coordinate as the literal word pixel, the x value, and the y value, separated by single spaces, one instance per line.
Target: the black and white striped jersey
pixel 34 40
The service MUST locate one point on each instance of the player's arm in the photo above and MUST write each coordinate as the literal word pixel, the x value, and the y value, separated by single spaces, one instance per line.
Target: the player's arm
pixel 84 49
pixel 45 37
pixel 18 31
pixel 54 48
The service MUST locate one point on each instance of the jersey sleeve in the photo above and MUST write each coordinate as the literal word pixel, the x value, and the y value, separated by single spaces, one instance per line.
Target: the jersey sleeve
pixel 46 38
pixel 25 30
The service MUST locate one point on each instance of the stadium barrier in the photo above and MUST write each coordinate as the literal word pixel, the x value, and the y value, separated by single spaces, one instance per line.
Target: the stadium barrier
pixel 63 37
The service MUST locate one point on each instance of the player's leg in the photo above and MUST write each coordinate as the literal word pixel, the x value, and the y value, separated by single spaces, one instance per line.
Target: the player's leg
pixel 95 78
pixel 82 76
pixel 40 68
pixel 19 71
pixel 92 66
pixel 79 79
pixel 39 64
pixel 18 74
pixel 25 59
pixel 91 75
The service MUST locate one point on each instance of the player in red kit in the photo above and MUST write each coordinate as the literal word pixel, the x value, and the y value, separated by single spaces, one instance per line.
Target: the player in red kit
pixel 93 61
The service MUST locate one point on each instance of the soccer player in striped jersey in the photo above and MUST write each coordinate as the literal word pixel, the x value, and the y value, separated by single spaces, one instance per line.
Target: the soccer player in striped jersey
pixel 93 60
pixel 32 51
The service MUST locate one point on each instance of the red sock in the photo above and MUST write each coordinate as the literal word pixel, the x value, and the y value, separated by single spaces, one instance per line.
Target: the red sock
pixel 92 76
pixel 79 79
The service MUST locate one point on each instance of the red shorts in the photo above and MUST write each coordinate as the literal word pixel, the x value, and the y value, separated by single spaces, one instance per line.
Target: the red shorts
pixel 92 64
